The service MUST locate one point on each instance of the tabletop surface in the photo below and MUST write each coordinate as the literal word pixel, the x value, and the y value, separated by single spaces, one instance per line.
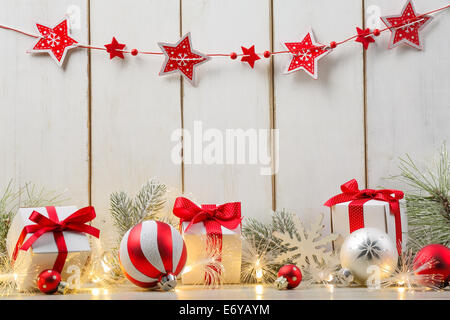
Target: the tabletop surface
pixel 250 292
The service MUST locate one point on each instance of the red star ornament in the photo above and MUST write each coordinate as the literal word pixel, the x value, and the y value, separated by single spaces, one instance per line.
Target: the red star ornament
pixel 182 58
pixel 114 48
pixel 406 26
pixel 306 55
pixel 55 41
pixel 364 37
pixel 249 56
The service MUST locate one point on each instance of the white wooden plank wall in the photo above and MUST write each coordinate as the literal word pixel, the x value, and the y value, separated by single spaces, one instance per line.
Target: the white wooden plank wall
pixel 230 95
pixel 133 110
pixel 321 121
pixel 329 131
pixel 43 108
pixel 408 95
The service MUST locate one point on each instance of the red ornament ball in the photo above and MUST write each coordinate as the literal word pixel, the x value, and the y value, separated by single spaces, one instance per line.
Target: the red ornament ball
pixel 152 254
pixel 233 55
pixel 134 52
pixel 438 258
pixel 48 281
pixel 333 44
pixel 290 275
pixel 376 32
pixel 267 54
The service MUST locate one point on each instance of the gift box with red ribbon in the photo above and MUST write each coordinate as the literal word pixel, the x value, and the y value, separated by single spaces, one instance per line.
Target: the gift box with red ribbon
pixel 49 238
pixel 354 209
pixel 210 232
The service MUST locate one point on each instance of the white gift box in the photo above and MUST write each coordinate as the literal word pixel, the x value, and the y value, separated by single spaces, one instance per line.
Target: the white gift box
pixel 377 214
pixel 43 252
pixel 195 239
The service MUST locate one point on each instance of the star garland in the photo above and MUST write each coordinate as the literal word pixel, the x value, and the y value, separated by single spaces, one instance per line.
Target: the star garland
pixel 181 58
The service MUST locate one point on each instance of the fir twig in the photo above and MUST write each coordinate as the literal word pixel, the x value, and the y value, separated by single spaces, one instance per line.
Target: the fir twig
pixel 428 202
pixel 128 212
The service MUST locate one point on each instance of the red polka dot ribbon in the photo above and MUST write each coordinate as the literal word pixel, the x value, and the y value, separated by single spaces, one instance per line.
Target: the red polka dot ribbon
pixel 351 192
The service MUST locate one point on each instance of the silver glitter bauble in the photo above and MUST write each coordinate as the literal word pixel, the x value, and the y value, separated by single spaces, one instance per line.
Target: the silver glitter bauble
pixel 369 252
pixel 345 276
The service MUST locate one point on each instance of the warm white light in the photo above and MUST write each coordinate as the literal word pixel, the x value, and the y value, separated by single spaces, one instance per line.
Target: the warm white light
pixel 259 289
pixel 259 274
pixel 187 269
pixel 105 266
pixel 95 291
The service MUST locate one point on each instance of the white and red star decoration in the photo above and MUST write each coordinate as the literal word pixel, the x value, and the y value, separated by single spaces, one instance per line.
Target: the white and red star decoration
pixel 406 27
pixel 182 58
pixel 55 41
pixel 115 49
pixel 249 56
pixel 306 54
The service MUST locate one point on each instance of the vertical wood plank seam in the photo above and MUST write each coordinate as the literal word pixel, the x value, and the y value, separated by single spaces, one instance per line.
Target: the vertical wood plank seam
pixel 182 104
pixel 272 105
pixel 89 104
pixel 363 6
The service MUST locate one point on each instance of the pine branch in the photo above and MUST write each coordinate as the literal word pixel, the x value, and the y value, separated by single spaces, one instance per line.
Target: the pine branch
pixel 428 203
pixel 12 199
pixel 128 212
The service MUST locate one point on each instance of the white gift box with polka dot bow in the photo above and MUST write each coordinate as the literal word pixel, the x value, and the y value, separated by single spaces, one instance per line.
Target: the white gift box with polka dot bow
pixel 197 257
pixel 377 214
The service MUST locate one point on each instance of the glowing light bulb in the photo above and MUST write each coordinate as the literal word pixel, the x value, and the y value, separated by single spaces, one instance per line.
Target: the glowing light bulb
pixel 105 266
pixel 259 289
pixel 187 269
pixel 95 291
pixel 259 274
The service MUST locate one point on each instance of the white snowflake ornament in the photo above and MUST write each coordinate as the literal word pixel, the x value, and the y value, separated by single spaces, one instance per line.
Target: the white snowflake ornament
pixel 307 247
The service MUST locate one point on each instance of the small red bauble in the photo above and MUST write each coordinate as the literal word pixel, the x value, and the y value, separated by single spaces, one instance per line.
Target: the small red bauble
pixel 267 54
pixel 233 55
pixel 438 256
pixel 376 32
pixel 289 277
pixel 48 281
pixel 333 44
pixel 134 52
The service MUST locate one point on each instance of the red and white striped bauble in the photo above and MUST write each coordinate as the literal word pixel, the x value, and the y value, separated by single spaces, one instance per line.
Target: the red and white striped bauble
pixel 150 251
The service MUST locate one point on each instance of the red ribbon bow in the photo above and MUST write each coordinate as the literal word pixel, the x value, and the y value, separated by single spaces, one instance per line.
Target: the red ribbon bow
pixel 351 192
pixel 213 217
pixel 227 215
pixel 75 222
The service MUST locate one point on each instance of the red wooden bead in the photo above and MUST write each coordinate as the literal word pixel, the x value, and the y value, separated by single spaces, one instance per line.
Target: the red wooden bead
pixel 233 55
pixel 134 52
pixel 267 54
pixel 376 32
pixel 333 44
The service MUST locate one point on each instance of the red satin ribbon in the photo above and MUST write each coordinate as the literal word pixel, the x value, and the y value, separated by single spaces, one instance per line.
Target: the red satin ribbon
pixel 213 217
pixel 75 222
pixel 351 192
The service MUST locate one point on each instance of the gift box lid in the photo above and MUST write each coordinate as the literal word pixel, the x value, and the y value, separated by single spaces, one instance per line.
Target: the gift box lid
pixel 75 241
pixel 199 228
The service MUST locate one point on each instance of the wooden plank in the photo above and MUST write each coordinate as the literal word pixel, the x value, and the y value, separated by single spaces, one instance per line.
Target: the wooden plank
pixel 229 95
pixel 44 109
pixel 321 121
pixel 408 95
pixel 134 111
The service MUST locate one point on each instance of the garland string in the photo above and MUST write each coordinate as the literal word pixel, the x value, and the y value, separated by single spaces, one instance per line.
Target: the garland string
pixel 326 47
